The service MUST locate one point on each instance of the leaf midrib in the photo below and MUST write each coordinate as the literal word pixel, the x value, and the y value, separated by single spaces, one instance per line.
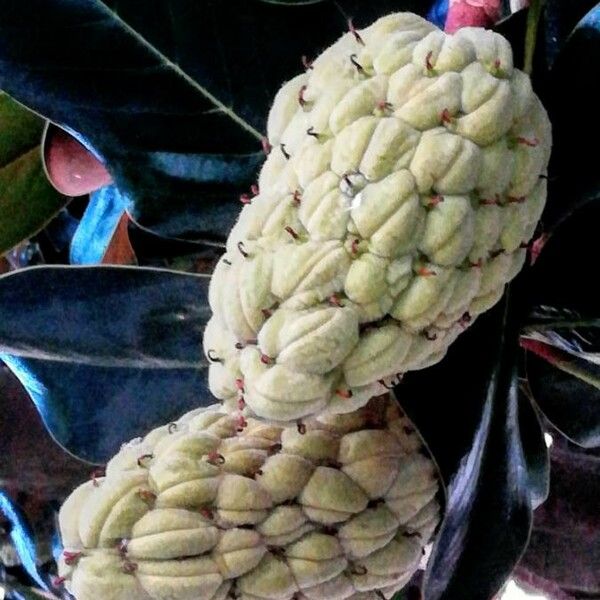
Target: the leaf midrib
pixel 188 78
pixel 24 155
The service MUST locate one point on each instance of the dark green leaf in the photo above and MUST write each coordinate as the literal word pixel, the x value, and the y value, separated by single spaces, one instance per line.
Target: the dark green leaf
pixel 567 390
pixel 172 95
pixel 105 352
pixel 563 276
pixel 563 331
pixel 467 410
pixel 574 176
pixel 292 2
pixel 27 200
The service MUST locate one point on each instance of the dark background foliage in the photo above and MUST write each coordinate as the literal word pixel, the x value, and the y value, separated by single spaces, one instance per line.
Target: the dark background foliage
pixel 136 84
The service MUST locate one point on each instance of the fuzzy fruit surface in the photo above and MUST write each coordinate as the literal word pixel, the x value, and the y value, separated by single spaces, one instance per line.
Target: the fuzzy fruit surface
pixel 405 179
pixel 214 507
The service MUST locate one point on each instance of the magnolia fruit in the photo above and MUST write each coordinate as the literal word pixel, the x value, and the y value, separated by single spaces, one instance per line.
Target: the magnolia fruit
pixel 405 180
pixel 214 507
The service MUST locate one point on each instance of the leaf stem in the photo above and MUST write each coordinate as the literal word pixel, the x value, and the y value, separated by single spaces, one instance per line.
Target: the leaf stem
pixel 533 19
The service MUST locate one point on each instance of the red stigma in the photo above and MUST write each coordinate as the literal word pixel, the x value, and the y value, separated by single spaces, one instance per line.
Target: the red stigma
pixel 71 557
pixel 146 495
pixel 425 272
pixel 525 142
pixel 335 301
pixel 434 201
pixel 95 475
pixel 446 117
pixel 428 64
pixel 344 393
pixel 301 100
pixel 207 513
pixel 214 458
pixel 241 423
pixel 266 146
pixel 266 360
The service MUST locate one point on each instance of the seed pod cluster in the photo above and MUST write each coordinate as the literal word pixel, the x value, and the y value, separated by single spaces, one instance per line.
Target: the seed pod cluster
pixel 213 507
pixel 405 180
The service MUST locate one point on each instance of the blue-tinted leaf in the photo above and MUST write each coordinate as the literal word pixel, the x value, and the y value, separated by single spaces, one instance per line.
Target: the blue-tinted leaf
pixel 92 410
pixel 22 537
pixel 467 410
pixel 104 316
pixel 172 95
pixel 96 228
pixel 105 352
pixel 438 12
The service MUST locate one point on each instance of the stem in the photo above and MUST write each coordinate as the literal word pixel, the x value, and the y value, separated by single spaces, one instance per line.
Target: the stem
pixel 533 19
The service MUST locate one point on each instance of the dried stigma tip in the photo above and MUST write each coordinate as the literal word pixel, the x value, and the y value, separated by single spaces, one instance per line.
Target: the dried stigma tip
pixel 359 67
pixel 142 460
pixel 306 63
pixel 213 357
pixel 129 568
pixel 354 32
pixel 292 232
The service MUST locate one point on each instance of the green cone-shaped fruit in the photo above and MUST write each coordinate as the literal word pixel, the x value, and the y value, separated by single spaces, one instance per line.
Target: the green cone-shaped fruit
pixel 405 178
pixel 215 507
